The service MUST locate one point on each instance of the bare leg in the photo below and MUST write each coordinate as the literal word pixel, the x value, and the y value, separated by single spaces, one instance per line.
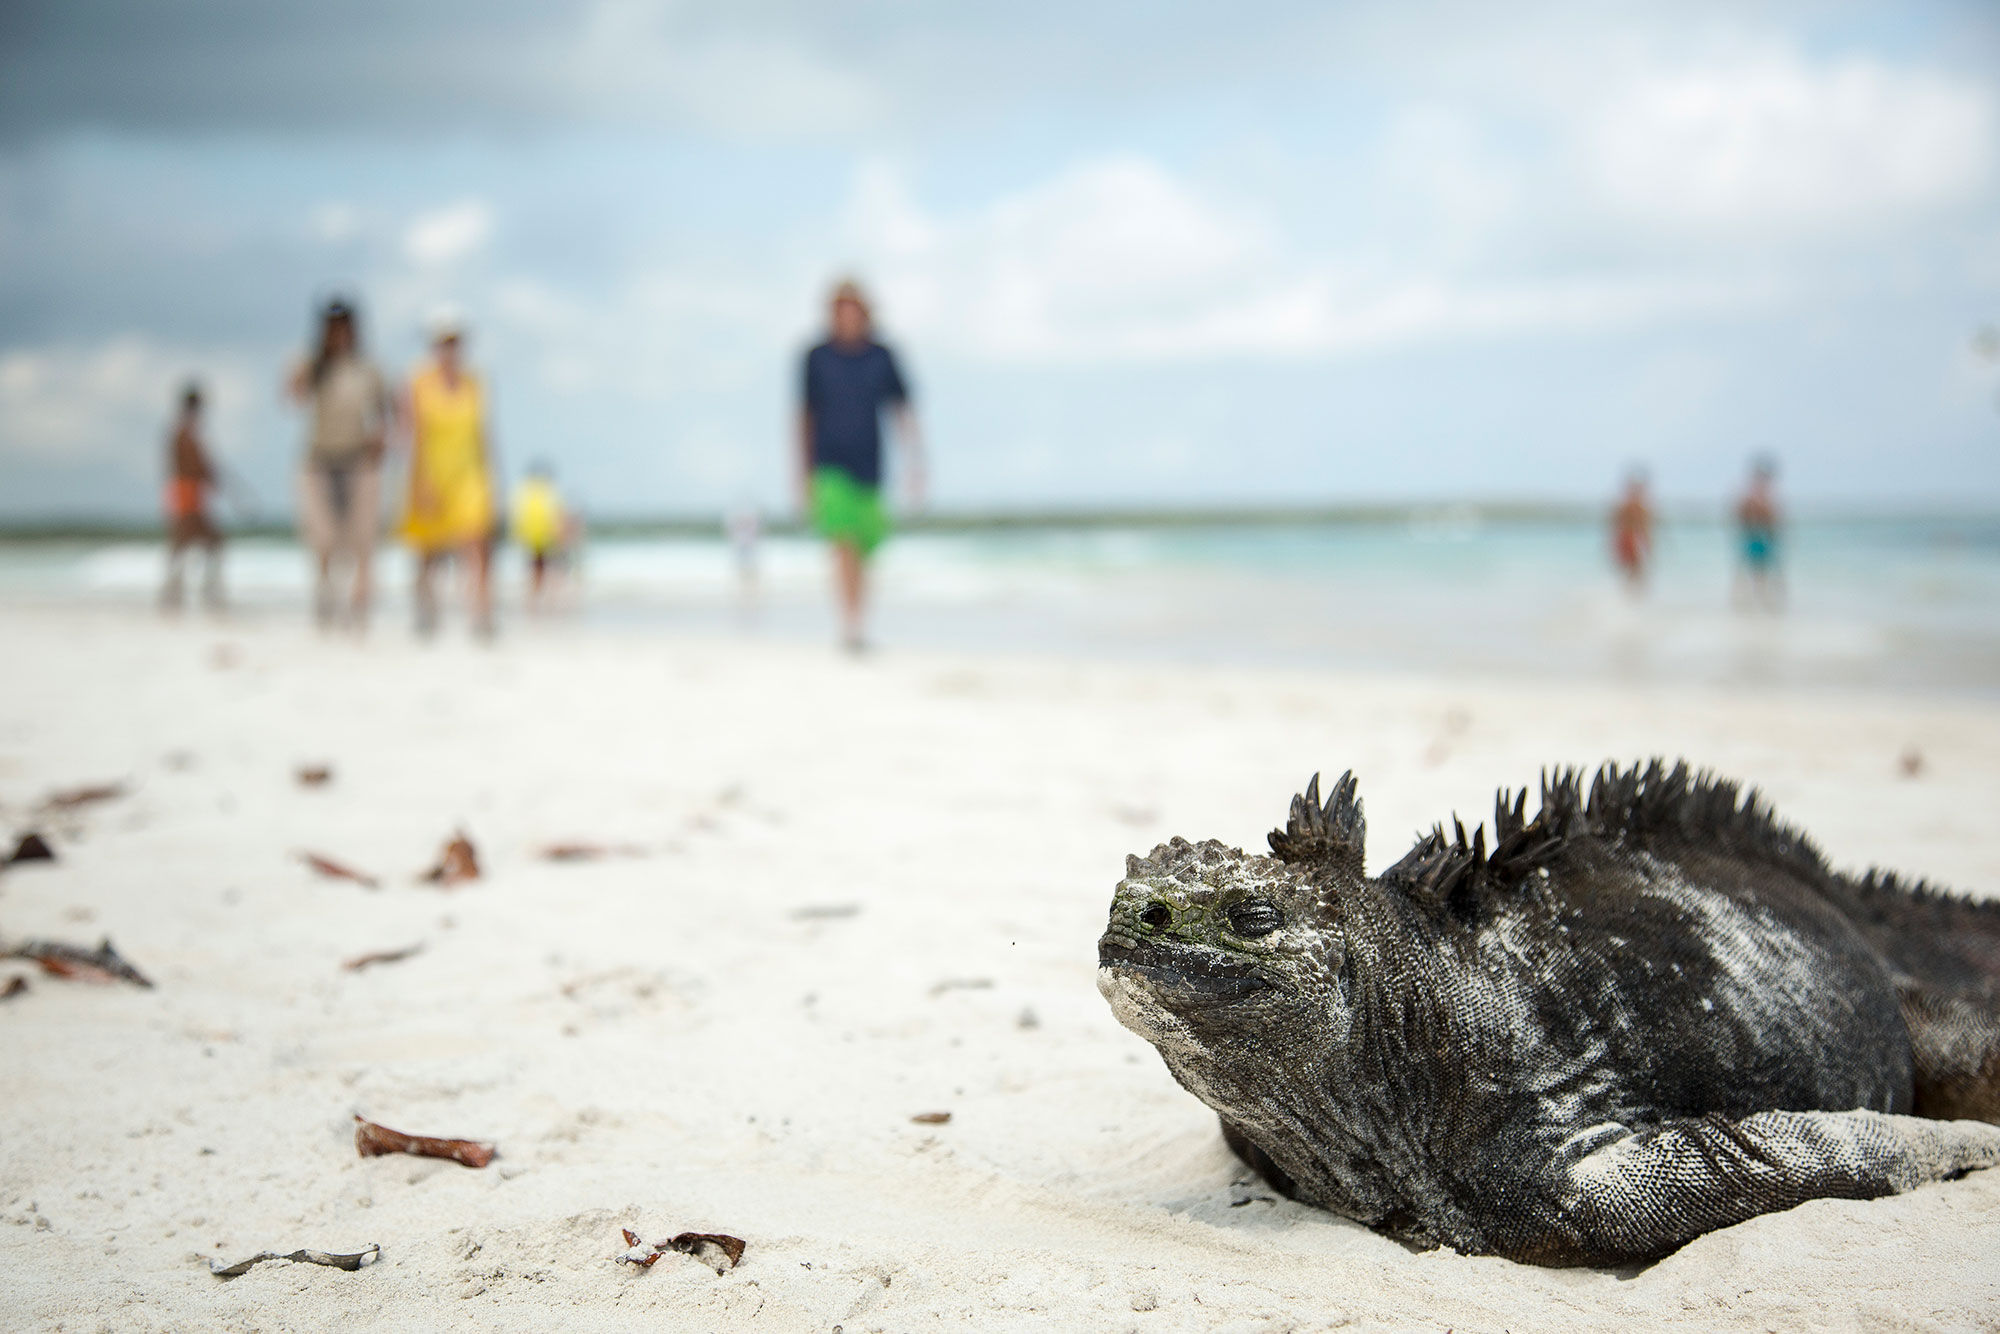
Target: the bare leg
pixel 170 593
pixel 364 589
pixel 479 557
pixel 538 580
pixel 850 574
pixel 323 591
pixel 211 572
pixel 426 593
pixel 1640 1196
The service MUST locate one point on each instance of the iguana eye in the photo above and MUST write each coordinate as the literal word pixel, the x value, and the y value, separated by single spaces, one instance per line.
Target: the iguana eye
pixel 1254 917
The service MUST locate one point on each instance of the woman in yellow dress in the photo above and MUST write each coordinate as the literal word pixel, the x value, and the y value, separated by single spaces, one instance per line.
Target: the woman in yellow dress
pixel 451 497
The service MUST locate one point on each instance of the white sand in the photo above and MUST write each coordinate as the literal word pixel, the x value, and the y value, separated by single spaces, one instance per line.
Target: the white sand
pixel 659 1042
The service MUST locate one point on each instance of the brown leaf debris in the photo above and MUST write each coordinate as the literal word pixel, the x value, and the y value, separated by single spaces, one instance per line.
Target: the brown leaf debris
pixel 369 960
pixel 103 964
pixel 458 862
pixel 70 798
pixel 718 1250
pixel 372 1141
pixel 301 1256
pixel 588 852
pixel 32 848
pixel 334 870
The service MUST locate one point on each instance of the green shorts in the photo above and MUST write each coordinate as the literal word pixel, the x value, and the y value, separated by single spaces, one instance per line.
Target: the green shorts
pixel 844 510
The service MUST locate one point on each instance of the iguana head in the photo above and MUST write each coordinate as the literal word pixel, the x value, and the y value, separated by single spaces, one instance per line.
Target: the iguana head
pixel 1209 945
pixel 1210 950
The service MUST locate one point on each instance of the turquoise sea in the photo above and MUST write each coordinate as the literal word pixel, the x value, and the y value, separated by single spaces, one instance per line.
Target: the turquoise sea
pixel 1903 603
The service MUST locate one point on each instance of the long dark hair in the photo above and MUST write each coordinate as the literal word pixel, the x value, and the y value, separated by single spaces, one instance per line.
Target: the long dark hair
pixel 336 311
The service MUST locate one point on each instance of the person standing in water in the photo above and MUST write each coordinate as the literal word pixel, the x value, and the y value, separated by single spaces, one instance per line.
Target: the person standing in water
pixel 190 480
pixel 348 412
pixel 849 380
pixel 1632 532
pixel 1759 582
pixel 451 504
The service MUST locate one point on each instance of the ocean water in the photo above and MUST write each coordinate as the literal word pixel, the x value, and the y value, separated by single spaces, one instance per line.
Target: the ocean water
pixel 1906 604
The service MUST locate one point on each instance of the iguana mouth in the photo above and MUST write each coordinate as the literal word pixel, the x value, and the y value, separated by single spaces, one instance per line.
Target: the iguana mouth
pixel 1194 972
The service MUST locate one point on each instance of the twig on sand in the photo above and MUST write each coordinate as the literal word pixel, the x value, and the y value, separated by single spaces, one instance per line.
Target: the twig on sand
pixel 68 799
pixel 103 964
pixel 15 986
pixel 361 961
pixel 372 1141
pixel 32 848
pixel 717 1250
pixel 334 870
pixel 932 1118
pixel 458 862
pixel 315 775
pixel 588 852
pixel 349 1262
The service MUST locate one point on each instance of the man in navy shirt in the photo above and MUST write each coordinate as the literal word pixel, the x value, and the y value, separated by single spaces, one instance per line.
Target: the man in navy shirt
pixel 849 379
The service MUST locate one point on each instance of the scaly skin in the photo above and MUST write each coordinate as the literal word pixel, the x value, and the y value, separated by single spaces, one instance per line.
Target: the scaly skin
pixel 1652 1011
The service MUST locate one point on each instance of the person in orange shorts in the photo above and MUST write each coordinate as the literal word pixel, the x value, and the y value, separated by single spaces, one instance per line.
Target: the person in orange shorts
pixel 1632 532
pixel 190 479
pixel 452 510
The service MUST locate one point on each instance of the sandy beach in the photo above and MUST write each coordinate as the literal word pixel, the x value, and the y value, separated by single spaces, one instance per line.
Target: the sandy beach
pixel 837 895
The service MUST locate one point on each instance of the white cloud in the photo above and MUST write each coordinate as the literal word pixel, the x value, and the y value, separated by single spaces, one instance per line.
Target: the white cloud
pixel 445 235
pixel 1771 141
pixel 1122 261
pixel 337 222
pixel 110 403
pixel 640 58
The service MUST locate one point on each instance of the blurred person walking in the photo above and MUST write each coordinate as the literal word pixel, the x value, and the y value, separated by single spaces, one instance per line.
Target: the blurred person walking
pixel 451 510
pixel 544 527
pixel 348 414
pixel 1759 582
pixel 191 477
pixel 848 380
pixel 1632 532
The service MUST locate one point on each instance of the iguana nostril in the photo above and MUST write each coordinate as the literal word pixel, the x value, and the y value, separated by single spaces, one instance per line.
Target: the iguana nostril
pixel 1157 917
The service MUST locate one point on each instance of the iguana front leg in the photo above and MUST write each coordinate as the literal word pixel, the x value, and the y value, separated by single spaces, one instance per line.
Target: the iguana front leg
pixel 1637 1196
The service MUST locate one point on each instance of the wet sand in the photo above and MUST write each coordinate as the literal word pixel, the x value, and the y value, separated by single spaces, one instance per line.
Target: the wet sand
pixel 840 895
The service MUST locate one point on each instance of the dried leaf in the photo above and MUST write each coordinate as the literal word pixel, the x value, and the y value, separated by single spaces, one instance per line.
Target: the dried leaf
pixel 698 1244
pixel 1911 763
pixel 932 1118
pixel 32 848
pixel 15 986
pixel 588 852
pixel 348 1262
pixel 458 862
pixel 372 1141
pixel 315 775
pixel 717 1250
pixel 71 798
pixel 103 964
pixel 361 961
pixel 334 870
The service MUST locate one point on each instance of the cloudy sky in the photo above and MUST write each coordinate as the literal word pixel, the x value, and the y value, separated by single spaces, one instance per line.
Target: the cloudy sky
pixel 1131 253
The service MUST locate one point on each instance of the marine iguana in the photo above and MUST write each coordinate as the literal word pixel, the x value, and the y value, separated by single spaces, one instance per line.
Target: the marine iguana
pixel 1648 1012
